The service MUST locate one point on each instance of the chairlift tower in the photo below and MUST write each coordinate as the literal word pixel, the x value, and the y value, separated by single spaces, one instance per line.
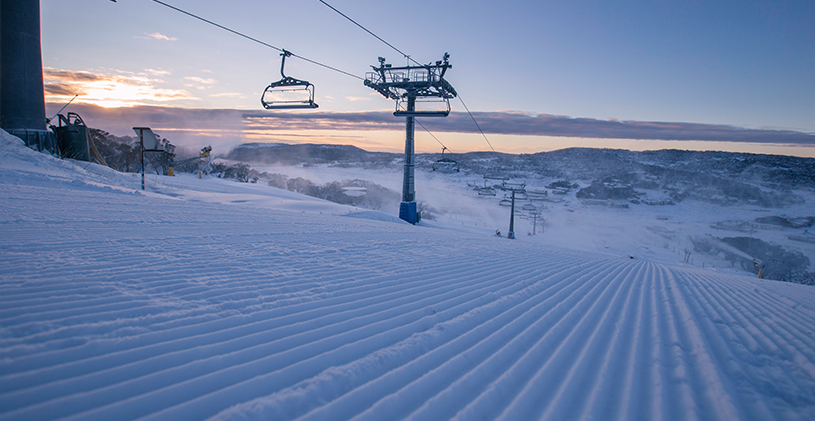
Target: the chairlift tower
pixel 407 85
pixel 514 188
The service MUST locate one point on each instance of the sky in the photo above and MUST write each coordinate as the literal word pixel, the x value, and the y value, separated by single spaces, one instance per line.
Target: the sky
pixel 538 76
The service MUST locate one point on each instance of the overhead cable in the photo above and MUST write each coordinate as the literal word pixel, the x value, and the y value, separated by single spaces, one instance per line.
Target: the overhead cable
pixel 476 123
pixel 368 31
pixel 431 134
pixel 255 39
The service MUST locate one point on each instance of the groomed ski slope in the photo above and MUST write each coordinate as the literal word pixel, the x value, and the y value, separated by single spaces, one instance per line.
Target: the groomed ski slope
pixel 209 298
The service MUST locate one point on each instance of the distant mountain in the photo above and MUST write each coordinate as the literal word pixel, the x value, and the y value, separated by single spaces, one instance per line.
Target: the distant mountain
pixel 308 153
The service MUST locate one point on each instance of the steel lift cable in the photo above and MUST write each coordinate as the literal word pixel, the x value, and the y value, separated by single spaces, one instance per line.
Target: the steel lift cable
pixel 256 40
pixel 431 134
pixel 368 31
pixel 476 123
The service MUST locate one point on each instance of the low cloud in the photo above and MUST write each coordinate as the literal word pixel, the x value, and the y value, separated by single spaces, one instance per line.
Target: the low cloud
pixel 157 72
pixel 235 125
pixel 562 126
pixel 159 36
pixel 71 75
pixel 57 89
pixel 228 95
pixel 323 121
pixel 201 81
pixel 517 123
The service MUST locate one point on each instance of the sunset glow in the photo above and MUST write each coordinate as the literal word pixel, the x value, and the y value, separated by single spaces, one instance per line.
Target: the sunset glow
pixel 108 90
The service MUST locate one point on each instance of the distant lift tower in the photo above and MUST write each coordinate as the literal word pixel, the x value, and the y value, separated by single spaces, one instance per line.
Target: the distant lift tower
pixel 406 85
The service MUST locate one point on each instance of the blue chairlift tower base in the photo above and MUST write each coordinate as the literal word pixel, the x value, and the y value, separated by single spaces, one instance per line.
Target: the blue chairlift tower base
pixel 408 213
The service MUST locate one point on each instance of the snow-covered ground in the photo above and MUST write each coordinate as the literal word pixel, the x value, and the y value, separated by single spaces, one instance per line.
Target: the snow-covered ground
pixel 660 233
pixel 210 298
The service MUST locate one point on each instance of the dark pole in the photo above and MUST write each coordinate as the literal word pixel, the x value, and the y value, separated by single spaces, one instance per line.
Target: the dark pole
pixel 512 218
pixel 534 223
pixel 141 142
pixel 408 193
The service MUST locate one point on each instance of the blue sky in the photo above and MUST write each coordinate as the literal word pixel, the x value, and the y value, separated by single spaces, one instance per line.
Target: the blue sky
pixel 746 64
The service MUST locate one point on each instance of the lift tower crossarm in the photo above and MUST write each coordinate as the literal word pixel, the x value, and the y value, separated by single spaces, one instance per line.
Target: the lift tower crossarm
pixel 402 83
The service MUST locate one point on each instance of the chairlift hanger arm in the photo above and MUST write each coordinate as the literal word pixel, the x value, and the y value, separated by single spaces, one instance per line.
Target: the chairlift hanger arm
pixel 284 54
pixel 287 80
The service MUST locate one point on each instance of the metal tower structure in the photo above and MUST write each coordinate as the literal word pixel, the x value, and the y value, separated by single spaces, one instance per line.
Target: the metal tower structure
pixel 514 188
pixel 408 85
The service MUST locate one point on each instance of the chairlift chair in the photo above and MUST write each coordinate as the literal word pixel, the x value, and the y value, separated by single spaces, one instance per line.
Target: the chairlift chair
pixel 505 202
pixel 486 191
pixel 445 165
pixel 288 93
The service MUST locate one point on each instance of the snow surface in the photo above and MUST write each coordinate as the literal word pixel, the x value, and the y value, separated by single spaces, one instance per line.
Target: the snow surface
pixel 210 298
pixel 659 233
